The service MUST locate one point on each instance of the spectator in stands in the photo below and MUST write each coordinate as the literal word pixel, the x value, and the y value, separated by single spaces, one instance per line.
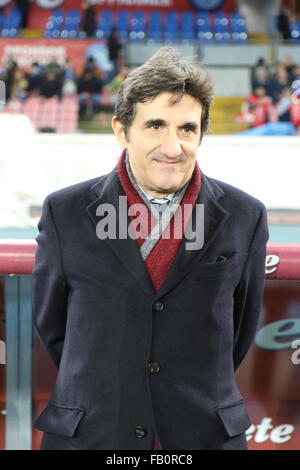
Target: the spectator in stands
pixel 89 19
pixel 23 6
pixel 109 96
pixel 259 67
pixel 10 63
pixel 283 106
pixel 2 98
pixel 262 78
pixel 69 87
pixel 9 67
pixel 2 74
pixel 295 85
pixel 89 87
pixel 52 78
pixel 114 49
pixel 53 66
pixel 19 84
pixel 51 86
pixel 279 81
pixel 115 83
pixel 295 110
pixel 258 109
pixel 289 67
pixel 34 78
pixel 69 80
pixel 69 73
pixel 283 23
pixel 91 66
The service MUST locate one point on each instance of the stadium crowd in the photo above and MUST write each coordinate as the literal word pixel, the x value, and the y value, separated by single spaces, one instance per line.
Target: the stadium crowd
pixel 94 88
pixel 275 95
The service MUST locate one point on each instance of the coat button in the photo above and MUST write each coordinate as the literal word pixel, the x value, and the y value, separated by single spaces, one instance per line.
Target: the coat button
pixel 154 367
pixel 140 431
pixel 158 306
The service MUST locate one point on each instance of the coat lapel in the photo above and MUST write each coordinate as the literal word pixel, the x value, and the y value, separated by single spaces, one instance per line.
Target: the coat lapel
pixel 108 189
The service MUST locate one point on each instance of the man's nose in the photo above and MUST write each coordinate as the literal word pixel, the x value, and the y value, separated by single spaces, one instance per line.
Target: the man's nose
pixel 170 146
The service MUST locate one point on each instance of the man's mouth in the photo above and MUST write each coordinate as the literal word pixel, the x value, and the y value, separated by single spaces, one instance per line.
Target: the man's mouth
pixel 168 163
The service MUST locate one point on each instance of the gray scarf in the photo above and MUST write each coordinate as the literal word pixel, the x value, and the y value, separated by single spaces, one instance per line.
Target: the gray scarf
pixel 162 212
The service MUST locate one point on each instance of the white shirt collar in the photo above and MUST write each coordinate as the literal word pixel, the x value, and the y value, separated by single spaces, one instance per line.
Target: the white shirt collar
pixel 162 200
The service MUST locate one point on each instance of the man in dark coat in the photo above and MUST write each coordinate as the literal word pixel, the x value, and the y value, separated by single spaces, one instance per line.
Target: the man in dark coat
pixel 114 48
pixel 89 19
pixel 24 7
pixel 148 282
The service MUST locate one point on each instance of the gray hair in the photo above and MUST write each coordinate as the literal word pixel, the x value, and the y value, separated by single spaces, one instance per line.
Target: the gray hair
pixel 165 71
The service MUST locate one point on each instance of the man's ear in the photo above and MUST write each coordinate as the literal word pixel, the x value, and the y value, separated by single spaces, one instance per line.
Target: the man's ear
pixel 119 132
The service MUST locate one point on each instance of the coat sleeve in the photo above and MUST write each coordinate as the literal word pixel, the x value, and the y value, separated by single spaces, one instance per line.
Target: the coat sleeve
pixel 49 287
pixel 248 294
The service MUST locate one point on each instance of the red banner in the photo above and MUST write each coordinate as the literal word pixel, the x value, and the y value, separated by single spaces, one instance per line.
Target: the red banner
pixel 26 51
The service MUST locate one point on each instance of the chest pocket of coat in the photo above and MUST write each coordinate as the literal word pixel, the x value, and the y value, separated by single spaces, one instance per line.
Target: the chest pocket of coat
pixel 59 419
pixel 217 269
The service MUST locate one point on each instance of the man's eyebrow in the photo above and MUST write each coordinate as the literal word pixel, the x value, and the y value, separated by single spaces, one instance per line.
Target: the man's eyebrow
pixel 161 122
pixel 154 122
pixel 193 125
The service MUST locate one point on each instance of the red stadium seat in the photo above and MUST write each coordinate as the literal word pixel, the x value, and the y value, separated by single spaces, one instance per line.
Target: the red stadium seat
pixel 68 115
pixel 14 106
pixel 49 113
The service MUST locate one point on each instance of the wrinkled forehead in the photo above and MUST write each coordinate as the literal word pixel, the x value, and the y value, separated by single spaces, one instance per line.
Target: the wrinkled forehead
pixel 163 107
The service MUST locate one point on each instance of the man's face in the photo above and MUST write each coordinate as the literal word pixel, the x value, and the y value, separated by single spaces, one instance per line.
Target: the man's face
pixel 162 144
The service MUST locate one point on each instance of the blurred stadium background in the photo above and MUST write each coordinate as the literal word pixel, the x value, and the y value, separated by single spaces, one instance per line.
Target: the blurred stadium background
pixel 61 66
pixel 62 63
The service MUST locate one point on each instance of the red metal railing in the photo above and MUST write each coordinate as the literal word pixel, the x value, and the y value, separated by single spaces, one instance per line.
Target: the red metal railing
pixel 267 378
pixel 282 261
pixel 17 256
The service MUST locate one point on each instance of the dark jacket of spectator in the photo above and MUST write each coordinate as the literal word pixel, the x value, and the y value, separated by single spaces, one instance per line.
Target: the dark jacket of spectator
pixel 10 67
pixel 89 19
pixel 283 24
pixel 114 45
pixel 290 67
pixel 278 83
pixel 91 66
pixel 50 86
pixel 262 79
pixel 23 6
pixel 89 83
pixel 53 67
pixel 34 78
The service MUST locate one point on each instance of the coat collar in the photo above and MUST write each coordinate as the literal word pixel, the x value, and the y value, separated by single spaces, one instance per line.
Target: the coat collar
pixel 108 189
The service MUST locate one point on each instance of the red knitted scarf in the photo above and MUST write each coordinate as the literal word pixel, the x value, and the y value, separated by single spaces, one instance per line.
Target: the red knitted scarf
pixel 163 254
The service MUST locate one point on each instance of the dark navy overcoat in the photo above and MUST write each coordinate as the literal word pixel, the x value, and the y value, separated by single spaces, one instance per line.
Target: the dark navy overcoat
pixel 132 362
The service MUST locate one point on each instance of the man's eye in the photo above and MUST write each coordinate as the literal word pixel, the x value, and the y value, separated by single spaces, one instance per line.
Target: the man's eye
pixel 155 126
pixel 188 129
